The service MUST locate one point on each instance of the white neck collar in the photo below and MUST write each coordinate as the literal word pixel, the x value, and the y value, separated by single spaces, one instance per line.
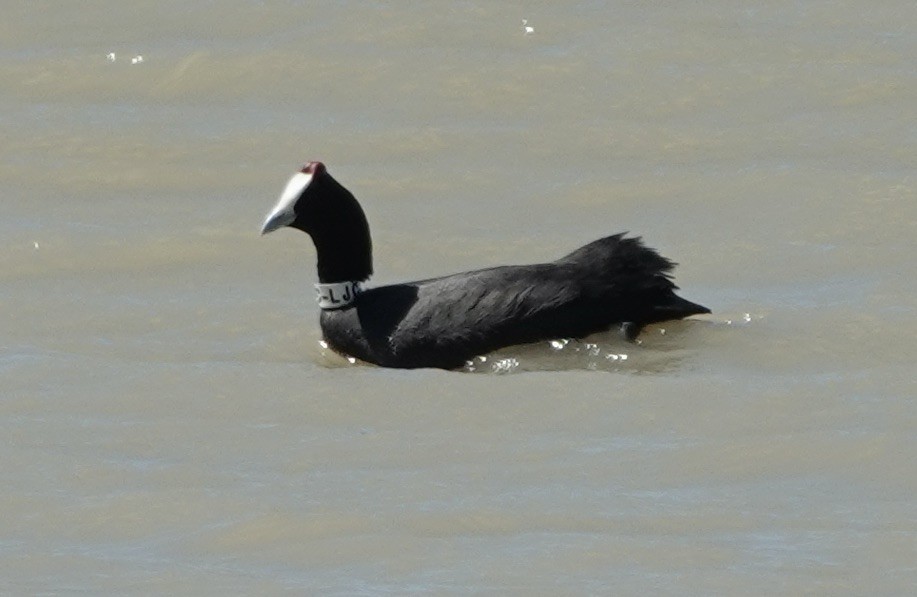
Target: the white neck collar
pixel 337 295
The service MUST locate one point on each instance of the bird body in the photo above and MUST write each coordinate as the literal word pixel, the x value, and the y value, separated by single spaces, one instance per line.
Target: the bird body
pixel 443 322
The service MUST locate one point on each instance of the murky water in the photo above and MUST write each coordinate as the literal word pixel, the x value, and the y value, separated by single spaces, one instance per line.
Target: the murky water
pixel 173 426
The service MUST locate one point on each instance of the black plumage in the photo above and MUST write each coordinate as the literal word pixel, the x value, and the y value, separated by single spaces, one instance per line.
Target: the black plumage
pixel 444 322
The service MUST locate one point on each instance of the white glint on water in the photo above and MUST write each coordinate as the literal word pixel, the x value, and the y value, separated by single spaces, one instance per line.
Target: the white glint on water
pixel 507 365
pixel 746 318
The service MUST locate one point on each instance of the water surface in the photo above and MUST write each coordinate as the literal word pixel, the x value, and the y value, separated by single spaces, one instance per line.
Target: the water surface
pixel 173 426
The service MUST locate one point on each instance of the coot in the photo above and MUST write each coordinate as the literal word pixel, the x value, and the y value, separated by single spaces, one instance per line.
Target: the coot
pixel 444 322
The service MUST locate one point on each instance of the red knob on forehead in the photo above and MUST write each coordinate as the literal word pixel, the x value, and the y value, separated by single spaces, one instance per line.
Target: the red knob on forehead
pixel 313 168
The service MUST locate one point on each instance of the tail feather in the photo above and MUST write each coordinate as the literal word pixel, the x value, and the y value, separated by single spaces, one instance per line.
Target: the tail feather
pixel 616 255
pixel 636 279
pixel 677 307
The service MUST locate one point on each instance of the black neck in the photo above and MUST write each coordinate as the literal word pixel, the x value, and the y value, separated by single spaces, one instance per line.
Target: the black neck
pixel 342 241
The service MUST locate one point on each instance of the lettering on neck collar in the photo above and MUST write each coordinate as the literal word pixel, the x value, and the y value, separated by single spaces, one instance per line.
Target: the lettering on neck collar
pixel 337 295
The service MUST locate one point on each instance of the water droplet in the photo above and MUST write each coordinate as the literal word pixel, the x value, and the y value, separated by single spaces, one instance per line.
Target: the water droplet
pixel 505 365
